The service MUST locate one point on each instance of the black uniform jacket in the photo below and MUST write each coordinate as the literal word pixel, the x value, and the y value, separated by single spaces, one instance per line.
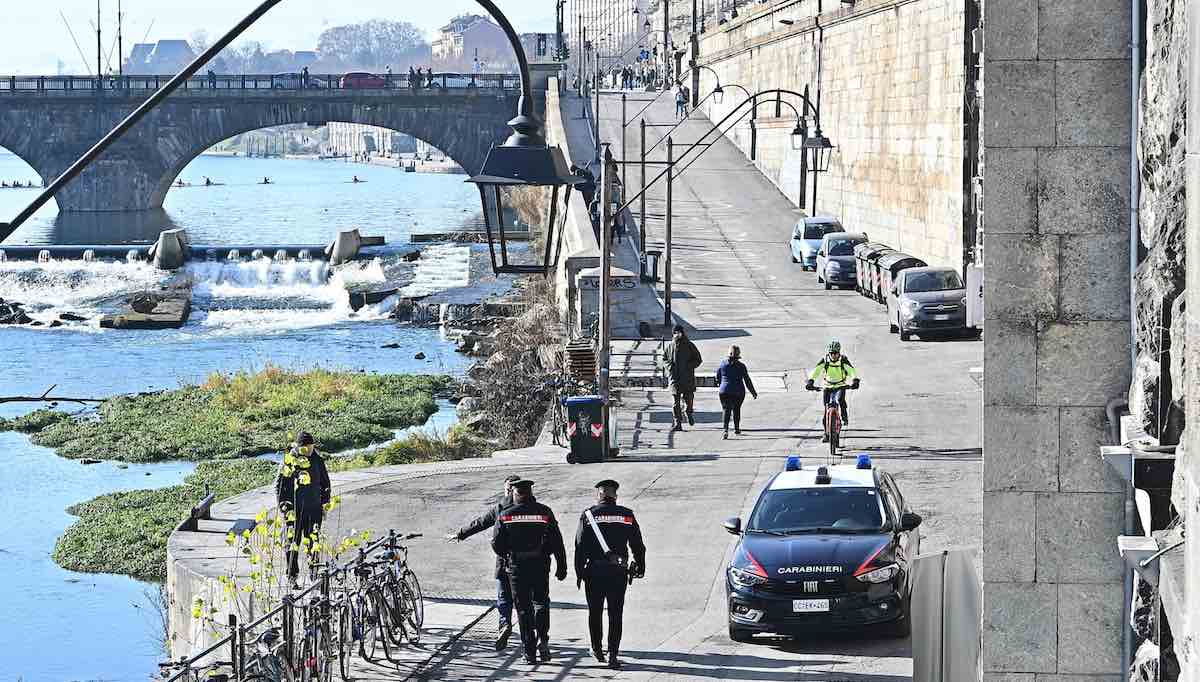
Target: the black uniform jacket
pixel 485 521
pixel 621 531
pixel 528 534
pixel 307 498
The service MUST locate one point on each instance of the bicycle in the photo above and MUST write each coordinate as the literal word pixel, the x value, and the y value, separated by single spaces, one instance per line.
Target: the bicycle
pixel 203 673
pixel 316 652
pixel 558 413
pixel 403 594
pixel 267 662
pixel 832 422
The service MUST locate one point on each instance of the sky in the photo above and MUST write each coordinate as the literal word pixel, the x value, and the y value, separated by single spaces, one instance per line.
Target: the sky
pixel 34 37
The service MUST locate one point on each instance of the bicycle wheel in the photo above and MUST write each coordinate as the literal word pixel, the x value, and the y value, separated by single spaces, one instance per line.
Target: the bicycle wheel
pixel 393 611
pixel 410 579
pixel 835 433
pixel 345 639
pixel 408 609
pixel 368 627
pixel 382 621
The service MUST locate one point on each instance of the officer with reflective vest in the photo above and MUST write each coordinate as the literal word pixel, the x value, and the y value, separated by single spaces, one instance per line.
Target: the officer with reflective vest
pixel 526 536
pixel 607 534
pixel 302 490
pixel 838 374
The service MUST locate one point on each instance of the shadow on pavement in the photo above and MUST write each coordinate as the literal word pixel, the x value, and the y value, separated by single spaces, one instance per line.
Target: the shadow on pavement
pixel 917 452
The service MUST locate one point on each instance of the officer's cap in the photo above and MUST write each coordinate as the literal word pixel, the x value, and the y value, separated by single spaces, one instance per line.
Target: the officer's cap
pixel 608 483
pixel 522 483
pixel 512 479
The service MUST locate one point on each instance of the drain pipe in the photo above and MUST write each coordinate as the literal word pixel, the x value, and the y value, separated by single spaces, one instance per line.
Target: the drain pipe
pixel 1135 75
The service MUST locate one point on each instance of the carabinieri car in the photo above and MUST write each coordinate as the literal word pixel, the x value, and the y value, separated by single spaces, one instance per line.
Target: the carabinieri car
pixel 826 548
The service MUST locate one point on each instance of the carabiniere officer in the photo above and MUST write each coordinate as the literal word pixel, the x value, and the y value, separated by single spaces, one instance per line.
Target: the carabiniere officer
pixel 606 574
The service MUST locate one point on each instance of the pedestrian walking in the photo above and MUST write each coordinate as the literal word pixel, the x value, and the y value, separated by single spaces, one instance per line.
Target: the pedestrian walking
pixel 304 77
pixel 302 489
pixel 682 358
pixel 733 381
pixel 607 534
pixel 680 102
pixel 526 536
pixel 504 599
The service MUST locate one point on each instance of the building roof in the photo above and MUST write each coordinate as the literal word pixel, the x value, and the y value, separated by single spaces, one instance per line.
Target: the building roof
pixel 840 475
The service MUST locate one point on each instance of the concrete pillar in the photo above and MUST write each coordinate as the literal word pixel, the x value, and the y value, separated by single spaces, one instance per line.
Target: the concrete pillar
pixel 170 252
pixel 345 247
pixel 1056 138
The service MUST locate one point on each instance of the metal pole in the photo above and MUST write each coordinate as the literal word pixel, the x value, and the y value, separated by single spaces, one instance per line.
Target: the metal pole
pixel 120 43
pixel 668 318
pixel 624 156
pixel 606 181
pixel 99 50
pixel 642 183
pixel 666 40
pixel 596 131
pixel 695 45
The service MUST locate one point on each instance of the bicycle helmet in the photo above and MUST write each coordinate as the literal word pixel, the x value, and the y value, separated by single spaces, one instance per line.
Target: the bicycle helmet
pixel 834 347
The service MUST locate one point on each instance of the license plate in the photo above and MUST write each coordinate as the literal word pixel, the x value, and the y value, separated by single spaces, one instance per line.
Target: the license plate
pixel 809 605
pixel 941 317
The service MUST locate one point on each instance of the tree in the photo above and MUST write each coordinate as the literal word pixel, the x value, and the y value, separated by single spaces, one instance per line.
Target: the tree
pixel 373 45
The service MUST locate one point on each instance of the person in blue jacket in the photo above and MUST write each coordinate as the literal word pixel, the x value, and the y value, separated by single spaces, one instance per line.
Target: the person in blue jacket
pixel 733 380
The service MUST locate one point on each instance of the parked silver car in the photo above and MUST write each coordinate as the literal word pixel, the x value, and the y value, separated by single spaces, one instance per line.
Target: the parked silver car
pixel 836 266
pixel 806 238
pixel 927 300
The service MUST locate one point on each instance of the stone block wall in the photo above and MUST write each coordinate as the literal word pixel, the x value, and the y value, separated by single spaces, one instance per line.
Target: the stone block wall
pixel 892 92
pixel 1057 159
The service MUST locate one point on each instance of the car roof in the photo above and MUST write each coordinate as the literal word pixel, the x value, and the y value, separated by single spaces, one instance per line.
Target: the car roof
pixel 846 235
pixel 933 268
pixel 819 220
pixel 840 475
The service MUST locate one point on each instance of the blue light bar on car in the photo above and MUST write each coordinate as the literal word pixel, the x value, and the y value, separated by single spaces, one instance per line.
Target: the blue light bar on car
pixel 864 461
pixel 793 463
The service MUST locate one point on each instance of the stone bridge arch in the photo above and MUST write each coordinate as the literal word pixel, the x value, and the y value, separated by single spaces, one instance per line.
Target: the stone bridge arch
pixel 136 173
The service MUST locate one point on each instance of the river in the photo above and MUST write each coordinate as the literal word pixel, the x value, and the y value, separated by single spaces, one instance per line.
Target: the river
pixel 61 625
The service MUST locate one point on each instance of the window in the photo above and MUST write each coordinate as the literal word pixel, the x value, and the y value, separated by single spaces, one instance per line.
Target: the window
pixel 932 281
pixel 818 230
pixel 843 247
pixel 836 509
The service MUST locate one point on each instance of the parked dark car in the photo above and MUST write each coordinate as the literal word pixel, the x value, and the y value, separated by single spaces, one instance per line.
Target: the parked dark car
pixel 360 80
pixel 835 265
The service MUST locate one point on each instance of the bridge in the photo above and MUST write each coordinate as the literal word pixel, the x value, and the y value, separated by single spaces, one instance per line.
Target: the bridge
pixel 50 121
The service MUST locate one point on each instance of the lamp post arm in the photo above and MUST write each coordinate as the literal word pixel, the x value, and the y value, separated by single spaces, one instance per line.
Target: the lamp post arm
pixel 701 143
pixel 680 122
pixel 739 120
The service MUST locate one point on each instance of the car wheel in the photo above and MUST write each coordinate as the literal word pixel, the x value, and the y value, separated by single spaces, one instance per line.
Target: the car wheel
pixel 794 259
pixel 892 328
pixel 905 336
pixel 739 635
pixel 828 286
pixel 819 278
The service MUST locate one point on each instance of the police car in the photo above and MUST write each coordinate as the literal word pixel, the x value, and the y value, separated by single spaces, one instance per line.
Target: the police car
pixel 826 548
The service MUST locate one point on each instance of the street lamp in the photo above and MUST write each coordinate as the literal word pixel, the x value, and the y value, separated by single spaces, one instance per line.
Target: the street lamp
pixel 524 161
pixel 821 149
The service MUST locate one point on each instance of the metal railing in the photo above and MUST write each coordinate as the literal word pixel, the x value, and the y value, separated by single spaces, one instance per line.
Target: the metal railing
pixel 240 636
pixel 456 82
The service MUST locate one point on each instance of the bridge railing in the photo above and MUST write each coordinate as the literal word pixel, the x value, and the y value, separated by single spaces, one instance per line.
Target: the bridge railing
pixel 455 82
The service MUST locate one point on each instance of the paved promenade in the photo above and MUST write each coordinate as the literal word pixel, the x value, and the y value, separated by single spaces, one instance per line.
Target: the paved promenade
pixel 918 414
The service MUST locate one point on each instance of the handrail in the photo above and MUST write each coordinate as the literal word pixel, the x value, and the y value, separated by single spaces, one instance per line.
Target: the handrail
pixel 33 85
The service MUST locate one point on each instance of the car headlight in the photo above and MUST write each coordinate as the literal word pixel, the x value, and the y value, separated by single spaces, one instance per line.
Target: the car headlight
pixel 834 265
pixel 879 575
pixel 744 578
pixel 909 306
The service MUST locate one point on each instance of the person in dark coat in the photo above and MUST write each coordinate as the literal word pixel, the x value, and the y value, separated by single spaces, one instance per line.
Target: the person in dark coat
pixel 733 380
pixel 504 600
pixel 682 358
pixel 302 490
pixel 607 573
pixel 526 535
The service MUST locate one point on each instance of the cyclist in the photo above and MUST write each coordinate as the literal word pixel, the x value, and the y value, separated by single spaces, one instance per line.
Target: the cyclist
pixel 836 374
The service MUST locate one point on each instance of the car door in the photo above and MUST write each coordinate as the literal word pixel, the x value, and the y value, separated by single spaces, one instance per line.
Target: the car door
pixel 797 241
pixel 821 257
pixel 892 306
pixel 909 541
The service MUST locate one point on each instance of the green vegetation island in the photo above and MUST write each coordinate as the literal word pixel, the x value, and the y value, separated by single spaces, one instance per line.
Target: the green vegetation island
pixel 224 424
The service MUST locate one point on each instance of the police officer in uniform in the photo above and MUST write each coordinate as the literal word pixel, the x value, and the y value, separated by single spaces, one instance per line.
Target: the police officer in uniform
pixel 525 536
pixel 503 592
pixel 607 534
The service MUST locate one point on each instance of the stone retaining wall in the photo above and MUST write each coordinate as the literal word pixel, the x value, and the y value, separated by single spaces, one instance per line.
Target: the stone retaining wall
pixel 892 92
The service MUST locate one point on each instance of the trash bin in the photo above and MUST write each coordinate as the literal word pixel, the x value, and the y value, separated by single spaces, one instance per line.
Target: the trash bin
pixel 863 253
pixel 650 265
pixel 585 428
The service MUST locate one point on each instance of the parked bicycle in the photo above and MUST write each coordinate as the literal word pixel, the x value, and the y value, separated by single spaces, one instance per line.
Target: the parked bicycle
pixel 217 671
pixel 267 660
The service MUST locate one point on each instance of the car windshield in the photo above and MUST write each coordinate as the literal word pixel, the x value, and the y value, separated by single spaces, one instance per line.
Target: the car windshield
pixel 816 510
pixel 843 247
pixel 932 281
pixel 818 230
